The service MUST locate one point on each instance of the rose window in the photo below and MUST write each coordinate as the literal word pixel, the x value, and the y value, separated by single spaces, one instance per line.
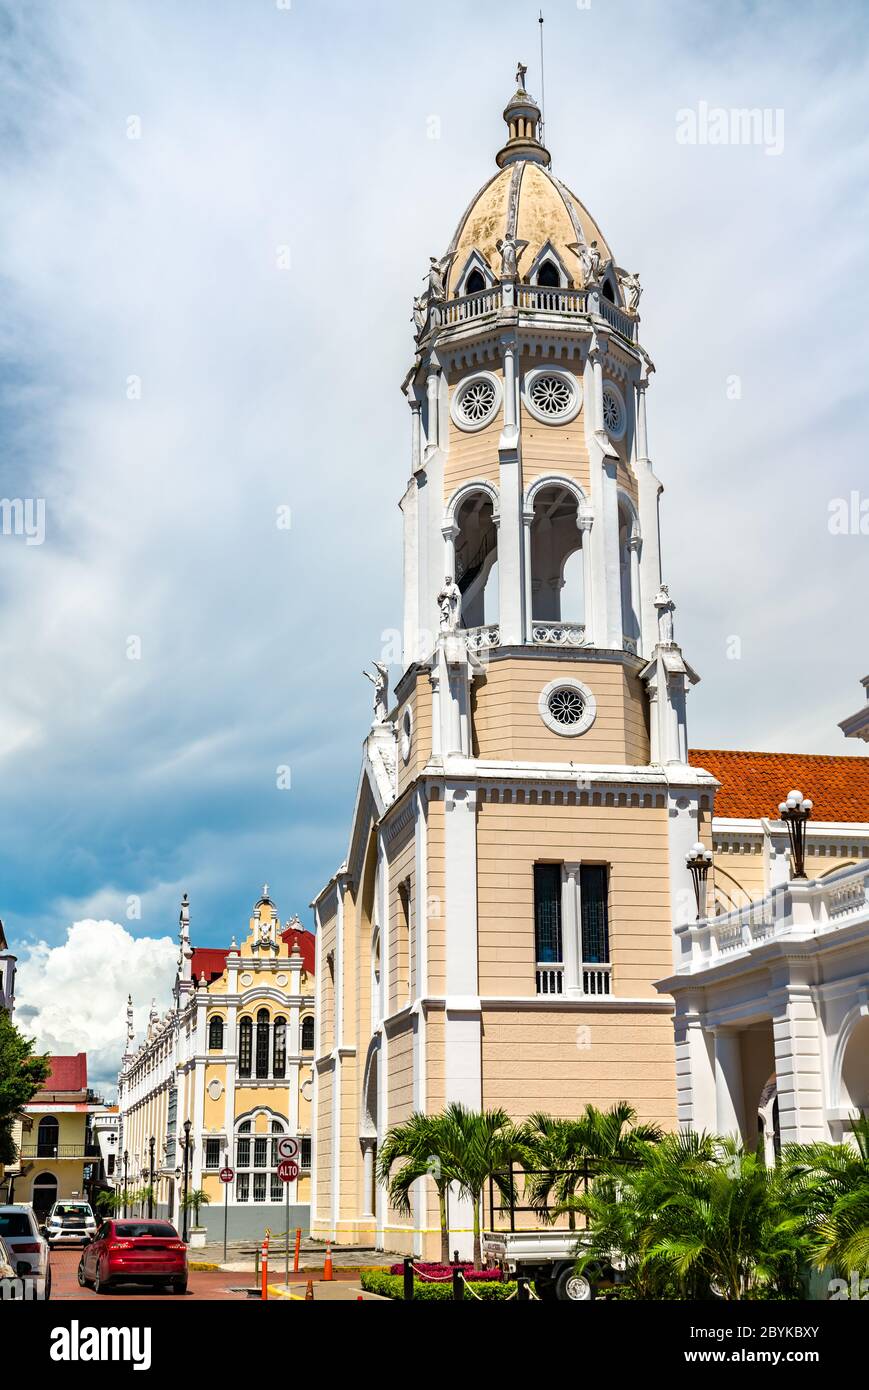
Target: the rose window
pixel 612 412
pixel 551 395
pixel 478 401
pixel 566 706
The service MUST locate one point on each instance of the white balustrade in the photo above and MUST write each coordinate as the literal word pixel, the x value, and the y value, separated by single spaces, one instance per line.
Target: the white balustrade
pixel 559 634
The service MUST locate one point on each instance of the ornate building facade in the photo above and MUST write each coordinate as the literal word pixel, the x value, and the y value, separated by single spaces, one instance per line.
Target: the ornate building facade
pixel 526 801
pixel 232 1060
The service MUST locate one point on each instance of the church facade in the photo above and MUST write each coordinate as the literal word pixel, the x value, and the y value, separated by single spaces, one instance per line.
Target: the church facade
pixel 526 800
pixel 516 922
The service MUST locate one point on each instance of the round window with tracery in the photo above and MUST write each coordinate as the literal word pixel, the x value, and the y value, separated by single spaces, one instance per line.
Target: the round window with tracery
pixel 566 706
pixel 476 401
pixel 613 412
pixel 552 395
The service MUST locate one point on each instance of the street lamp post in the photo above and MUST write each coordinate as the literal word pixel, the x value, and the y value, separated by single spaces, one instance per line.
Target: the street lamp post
pixel 126 1161
pixel 795 812
pixel 152 1144
pixel 699 861
pixel 187 1129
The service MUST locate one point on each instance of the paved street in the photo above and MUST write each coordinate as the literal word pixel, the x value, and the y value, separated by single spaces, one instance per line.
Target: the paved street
pixel 207 1284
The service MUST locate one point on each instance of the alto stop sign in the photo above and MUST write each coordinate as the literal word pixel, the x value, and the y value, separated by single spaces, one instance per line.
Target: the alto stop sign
pixel 226 1175
pixel 288 1170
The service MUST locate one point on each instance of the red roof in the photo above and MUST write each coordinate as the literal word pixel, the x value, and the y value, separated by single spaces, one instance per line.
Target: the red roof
pixel 753 784
pixel 208 961
pixel 68 1074
pixel 212 960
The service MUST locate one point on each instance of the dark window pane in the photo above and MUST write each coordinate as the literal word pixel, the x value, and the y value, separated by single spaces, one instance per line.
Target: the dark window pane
pixel 245 1046
pixel 262 1043
pixel 474 282
pixel 306 1151
pixel 212 1153
pixel 595 918
pixel 547 913
pixel 243 1159
pixel 308 1034
pixel 259 1187
pixel 242 1187
pixel 260 1151
pixel 215 1035
pixel 280 1062
pixel 548 275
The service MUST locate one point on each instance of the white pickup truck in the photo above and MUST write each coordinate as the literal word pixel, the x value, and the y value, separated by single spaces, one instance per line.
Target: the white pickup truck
pixel 547 1257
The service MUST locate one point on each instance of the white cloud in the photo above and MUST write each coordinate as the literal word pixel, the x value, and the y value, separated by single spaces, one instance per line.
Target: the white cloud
pixel 73 997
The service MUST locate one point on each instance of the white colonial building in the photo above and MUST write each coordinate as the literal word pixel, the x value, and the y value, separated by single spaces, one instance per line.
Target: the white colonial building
pixel 772 1013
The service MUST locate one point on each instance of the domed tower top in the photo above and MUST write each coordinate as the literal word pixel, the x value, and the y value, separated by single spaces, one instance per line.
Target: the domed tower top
pixel 522 115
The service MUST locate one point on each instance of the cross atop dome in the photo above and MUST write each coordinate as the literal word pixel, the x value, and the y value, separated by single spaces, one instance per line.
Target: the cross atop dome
pixel 522 115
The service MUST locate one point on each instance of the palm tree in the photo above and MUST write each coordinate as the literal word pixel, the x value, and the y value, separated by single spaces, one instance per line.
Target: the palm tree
pixel 479 1145
pixel 828 1186
pixel 559 1152
pixel 192 1201
pixel 705 1217
pixel 420 1143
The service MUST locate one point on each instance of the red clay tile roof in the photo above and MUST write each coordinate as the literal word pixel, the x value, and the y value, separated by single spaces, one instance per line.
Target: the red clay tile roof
pixel 68 1074
pixel 753 784
pixel 212 959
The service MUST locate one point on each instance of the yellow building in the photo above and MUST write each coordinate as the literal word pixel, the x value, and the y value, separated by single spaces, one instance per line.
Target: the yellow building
pixel 233 1060
pixel 59 1155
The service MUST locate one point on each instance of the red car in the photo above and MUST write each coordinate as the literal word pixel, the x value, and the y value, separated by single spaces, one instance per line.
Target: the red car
pixel 134 1251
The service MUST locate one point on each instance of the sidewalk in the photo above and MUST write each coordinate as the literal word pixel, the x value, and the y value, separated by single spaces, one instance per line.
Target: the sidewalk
pixel 242 1256
pixel 336 1291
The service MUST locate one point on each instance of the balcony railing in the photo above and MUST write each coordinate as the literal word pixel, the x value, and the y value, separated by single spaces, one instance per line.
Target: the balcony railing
pixel 470 306
pixel 550 979
pixel 542 300
pixel 55 1151
pixel 825 905
pixel 596 978
pixel 558 634
pixel 618 319
pixel 482 638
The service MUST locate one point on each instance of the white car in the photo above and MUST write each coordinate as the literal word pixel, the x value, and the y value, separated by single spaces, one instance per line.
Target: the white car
pixel 28 1249
pixel 70 1223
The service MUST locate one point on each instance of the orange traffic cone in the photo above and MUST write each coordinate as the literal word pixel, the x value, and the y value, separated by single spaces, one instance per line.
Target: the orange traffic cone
pixel 327 1264
pixel 309 1291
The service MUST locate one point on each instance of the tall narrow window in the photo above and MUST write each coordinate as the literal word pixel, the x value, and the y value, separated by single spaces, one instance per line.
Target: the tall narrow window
pixel 548 275
pixel 245 1046
pixel 260 1151
pixel 402 945
pixel 593 889
pixel 215 1035
pixel 262 1043
pixel 212 1153
pixel 547 928
pixel 305 1156
pixel 308 1033
pixel 475 282
pixel 280 1062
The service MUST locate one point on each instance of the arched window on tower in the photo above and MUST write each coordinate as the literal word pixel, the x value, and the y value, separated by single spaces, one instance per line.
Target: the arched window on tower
pixel 308 1033
pixel 475 282
pixel 629 574
pixel 548 275
pixel 557 588
pixel 262 1043
pixel 215 1035
pixel 402 945
pixel 608 292
pixel 245 1046
pixel 477 561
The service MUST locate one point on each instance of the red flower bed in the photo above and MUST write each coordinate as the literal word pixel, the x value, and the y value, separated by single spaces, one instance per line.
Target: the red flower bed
pixel 442 1273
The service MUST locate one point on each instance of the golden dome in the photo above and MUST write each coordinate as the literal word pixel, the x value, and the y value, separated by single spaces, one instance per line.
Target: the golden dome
pixel 526 201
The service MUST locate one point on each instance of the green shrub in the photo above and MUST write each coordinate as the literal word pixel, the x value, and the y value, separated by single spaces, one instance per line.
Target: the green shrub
pixel 392 1286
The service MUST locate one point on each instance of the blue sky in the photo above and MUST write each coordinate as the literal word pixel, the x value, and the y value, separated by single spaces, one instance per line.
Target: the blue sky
pixel 150 267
